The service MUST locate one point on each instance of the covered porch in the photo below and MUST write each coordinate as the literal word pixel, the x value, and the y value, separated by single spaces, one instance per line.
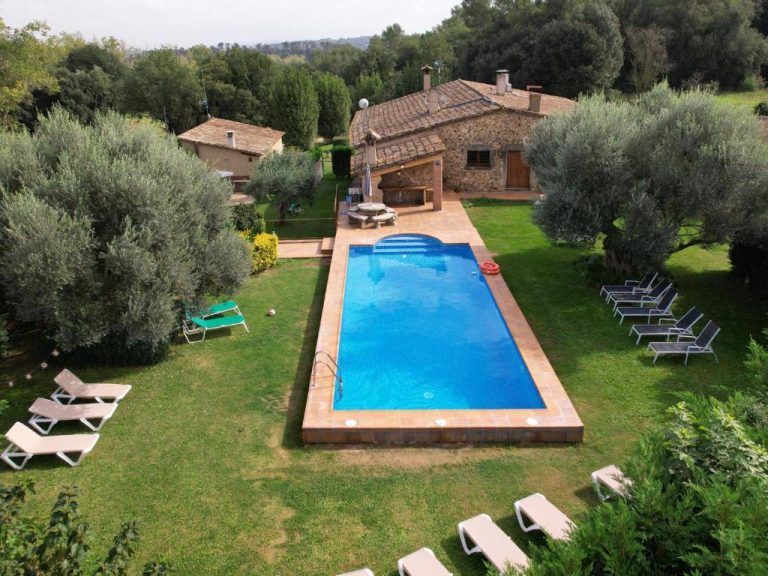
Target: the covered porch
pixel 406 172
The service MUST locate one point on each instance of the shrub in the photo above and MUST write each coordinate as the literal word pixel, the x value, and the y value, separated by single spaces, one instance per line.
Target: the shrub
pixel 594 271
pixel 246 218
pixel 752 82
pixel 58 545
pixel 341 160
pixel 109 230
pixel 696 505
pixel 761 108
pixel 757 362
pixel 263 251
pixel 316 153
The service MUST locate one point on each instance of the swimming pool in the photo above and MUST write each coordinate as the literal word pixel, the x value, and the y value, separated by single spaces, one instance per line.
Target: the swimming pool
pixel 421 330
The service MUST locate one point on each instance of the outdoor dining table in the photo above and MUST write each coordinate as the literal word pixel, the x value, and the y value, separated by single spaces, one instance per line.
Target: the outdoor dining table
pixel 371 208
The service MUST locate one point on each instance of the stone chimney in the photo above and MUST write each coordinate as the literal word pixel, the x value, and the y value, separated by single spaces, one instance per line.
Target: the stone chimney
pixel 502 79
pixel 534 102
pixel 370 147
pixel 433 101
pixel 231 138
pixel 427 72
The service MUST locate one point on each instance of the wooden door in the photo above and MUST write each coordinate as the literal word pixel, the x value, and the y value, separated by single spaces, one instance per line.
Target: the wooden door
pixel 518 173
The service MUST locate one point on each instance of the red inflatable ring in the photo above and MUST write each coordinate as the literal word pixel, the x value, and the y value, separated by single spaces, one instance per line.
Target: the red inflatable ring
pixel 490 268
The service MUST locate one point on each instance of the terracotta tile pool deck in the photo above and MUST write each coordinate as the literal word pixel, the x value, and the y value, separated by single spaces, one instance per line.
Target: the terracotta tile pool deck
pixel 558 422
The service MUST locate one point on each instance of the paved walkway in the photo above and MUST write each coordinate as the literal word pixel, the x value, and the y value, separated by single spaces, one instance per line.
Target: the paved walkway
pixel 300 249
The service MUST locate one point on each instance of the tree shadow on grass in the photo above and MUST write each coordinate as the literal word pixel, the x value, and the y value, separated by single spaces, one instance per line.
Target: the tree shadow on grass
pixel 298 393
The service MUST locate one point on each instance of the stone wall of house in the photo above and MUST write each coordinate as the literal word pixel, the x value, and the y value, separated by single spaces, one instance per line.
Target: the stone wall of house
pixel 498 132
pixel 239 163
pixel 420 175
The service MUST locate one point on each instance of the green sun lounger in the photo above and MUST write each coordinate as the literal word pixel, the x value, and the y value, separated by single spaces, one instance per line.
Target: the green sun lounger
pixel 196 325
pixel 215 310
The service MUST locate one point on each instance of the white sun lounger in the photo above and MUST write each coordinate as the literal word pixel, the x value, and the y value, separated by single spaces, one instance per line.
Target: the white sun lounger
pixel 25 443
pixel 612 478
pixel 46 413
pixel 491 542
pixel 71 388
pixel 544 516
pixel 363 572
pixel 421 563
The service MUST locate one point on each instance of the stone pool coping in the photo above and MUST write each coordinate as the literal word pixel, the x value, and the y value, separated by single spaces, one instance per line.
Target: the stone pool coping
pixel 557 422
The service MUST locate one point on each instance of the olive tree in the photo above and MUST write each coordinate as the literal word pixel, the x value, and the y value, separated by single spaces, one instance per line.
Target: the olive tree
pixel 654 177
pixel 106 230
pixel 286 178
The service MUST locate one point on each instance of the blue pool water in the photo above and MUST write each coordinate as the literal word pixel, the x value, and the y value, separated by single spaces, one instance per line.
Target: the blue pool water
pixel 421 330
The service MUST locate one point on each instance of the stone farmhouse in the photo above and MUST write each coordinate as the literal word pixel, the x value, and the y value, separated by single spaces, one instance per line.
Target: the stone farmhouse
pixel 468 135
pixel 231 147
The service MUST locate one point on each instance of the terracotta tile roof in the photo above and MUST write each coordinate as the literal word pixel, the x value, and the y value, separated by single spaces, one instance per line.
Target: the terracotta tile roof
pixel 248 138
pixel 401 151
pixel 518 99
pixel 458 99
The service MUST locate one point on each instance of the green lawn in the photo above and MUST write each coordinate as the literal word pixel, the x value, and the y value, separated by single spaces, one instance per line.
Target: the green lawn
pixel 316 220
pixel 205 451
pixel 746 99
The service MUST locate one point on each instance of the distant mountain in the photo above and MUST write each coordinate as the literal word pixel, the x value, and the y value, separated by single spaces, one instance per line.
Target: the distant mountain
pixel 305 47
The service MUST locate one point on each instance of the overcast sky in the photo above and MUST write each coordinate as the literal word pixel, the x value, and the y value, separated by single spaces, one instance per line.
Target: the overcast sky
pixel 151 23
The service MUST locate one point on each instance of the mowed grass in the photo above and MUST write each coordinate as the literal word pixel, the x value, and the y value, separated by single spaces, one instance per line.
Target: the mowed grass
pixel 317 220
pixel 743 99
pixel 206 449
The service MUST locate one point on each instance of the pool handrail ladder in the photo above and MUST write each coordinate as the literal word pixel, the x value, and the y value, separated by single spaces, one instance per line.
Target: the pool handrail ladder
pixel 335 370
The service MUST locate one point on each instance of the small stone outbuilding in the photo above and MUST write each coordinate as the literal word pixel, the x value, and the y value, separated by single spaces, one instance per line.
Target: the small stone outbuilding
pixel 468 135
pixel 231 147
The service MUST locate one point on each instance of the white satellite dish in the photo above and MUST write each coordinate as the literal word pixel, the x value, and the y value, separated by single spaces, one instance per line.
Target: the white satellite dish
pixel 363 103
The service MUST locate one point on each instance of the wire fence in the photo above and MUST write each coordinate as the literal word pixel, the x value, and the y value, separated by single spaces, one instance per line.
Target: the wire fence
pixel 302 228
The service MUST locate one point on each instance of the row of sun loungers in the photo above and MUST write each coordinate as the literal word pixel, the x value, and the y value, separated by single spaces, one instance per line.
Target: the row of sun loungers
pixel 641 299
pixel 24 442
pixel 481 535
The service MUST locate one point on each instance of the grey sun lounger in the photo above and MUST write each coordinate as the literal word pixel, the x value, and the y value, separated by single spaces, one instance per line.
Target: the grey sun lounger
pixel 671 327
pixel 663 310
pixel 361 572
pixel 701 344
pixel 612 479
pixel 544 516
pixel 492 542
pixel 642 286
pixel 421 563
pixel 25 443
pixel 652 297
pixel 71 388
pixel 46 413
